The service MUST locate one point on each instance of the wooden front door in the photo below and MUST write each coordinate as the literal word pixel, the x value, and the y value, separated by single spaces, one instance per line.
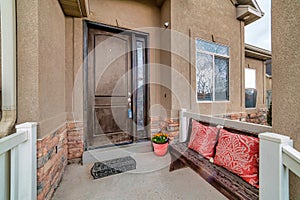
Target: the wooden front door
pixel 111 98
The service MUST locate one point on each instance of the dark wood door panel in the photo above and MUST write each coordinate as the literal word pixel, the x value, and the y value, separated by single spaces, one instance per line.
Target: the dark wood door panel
pixel 107 101
pixel 111 65
pixel 110 120
pixel 108 86
pixel 111 139
pixel 115 66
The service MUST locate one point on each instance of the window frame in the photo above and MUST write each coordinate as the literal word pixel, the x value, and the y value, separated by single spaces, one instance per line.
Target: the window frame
pixel 213 62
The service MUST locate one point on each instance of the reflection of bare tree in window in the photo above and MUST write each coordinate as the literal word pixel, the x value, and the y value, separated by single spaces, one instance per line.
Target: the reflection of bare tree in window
pixel 221 78
pixel 204 76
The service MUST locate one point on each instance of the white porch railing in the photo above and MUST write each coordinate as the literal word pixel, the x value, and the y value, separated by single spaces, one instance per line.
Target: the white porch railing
pixel 276 157
pixel 18 164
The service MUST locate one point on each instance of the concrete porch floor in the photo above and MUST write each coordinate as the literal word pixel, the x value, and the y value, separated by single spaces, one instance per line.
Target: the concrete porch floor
pixel 151 180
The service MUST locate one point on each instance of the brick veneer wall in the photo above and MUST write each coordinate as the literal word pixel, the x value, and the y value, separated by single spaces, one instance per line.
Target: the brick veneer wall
pixel 53 154
pixel 258 116
pixel 169 126
pixel 75 141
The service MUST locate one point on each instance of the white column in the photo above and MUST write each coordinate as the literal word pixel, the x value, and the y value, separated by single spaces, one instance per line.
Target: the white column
pixel 4 176
pixel 27 186
pixel 182 126
pixel 273 175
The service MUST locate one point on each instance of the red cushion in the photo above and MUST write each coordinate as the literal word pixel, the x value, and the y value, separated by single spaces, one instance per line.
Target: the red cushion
pixel 239 154
pixel 203 139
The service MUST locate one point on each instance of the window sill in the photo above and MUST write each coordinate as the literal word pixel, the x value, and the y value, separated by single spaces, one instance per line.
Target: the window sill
pixel 251 108
pixel 213 101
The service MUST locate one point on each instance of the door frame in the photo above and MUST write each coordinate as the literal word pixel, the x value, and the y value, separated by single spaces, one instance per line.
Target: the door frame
pixel 86 109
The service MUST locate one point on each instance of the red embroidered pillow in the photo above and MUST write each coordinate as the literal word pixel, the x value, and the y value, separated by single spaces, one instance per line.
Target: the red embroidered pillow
pixel 239 154
pixel 203 139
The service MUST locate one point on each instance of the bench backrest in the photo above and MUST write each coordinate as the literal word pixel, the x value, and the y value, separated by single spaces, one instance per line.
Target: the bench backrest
pixel 238 127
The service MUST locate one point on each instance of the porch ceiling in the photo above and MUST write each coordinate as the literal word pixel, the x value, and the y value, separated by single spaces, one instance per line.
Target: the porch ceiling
pixel 80 8
pixel 75 8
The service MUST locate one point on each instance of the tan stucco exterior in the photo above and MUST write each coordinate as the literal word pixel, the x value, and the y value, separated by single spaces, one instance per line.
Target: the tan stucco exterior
pixel 217 21
pixel 50 62
pixel 286 74
pixel 41 64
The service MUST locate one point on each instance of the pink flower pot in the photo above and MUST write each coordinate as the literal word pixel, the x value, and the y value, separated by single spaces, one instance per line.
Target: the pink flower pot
pixel 160 149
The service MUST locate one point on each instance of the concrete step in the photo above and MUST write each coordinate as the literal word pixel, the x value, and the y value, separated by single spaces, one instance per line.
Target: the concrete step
pixel 103 154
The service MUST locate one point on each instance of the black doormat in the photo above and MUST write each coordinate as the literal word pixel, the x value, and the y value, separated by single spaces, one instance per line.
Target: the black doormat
pixel 114 166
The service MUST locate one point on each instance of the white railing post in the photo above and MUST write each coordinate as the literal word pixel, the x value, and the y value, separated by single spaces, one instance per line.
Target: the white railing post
pixel 182 125
pixel 4 176
pixel 26 169
pixel 273 175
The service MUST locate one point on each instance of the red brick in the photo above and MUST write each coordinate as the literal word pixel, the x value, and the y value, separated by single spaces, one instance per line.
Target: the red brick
pixel 61 129
pixel 75 125
pixel 41 196
pixel 75 133
pixel 244 114
pixel 237 114
pixel 75 150
pixel 75 138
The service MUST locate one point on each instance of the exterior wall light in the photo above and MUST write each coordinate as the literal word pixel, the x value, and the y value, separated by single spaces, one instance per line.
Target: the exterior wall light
pixel 166 24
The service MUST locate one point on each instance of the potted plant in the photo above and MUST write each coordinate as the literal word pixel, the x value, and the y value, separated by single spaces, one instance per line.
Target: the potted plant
pixel 160 142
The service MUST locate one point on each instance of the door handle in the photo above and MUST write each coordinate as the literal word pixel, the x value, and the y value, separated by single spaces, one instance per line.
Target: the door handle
pixel 129 112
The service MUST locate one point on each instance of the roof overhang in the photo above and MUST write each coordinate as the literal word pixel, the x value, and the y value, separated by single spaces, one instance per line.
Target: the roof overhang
pixel 75 8
pixel 248 14
pixel 248 11
pixel 80 8
pixel 257 53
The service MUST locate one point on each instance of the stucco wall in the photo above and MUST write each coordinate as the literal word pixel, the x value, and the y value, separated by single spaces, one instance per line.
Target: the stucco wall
pixel 224 26
pixel 69 63
pixel 286 74
pixel 27 59
pixel 53 55
pixel 205 19
pixel 41 64
pixel 164 72
pixel 51 66
pixel 259 67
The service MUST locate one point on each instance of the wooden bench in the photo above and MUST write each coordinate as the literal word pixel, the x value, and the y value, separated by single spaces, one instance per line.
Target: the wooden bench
pixel 229 184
